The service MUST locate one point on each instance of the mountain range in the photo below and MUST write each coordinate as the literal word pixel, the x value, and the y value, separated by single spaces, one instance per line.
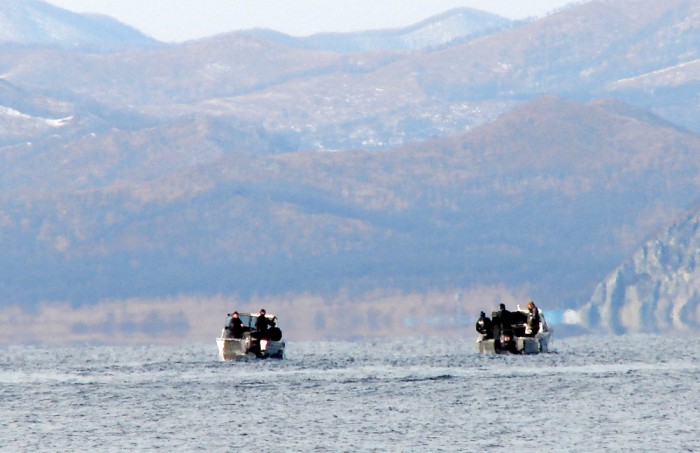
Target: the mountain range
pixel 29 23
pixel 464 153
pixel 461 24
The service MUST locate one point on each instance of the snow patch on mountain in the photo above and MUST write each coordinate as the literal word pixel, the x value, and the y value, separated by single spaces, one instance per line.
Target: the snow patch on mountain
pixel 673 76
pixel 9 112
pixel 15 125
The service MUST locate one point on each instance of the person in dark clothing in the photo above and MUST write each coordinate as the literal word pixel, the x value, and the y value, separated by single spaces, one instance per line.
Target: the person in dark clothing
pixel 484 326
pixel 502 321
pixel 262 324
pixel 533 320
pixel 235 325
pixel 505 317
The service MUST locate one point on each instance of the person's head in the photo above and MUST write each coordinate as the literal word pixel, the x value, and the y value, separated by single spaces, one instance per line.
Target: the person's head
pixel 531 305
pixel 262 312
pixel 483 315
pixel 503 306
pixel 235 314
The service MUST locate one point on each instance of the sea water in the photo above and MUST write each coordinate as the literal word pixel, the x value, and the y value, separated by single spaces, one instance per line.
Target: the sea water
pixel 616 394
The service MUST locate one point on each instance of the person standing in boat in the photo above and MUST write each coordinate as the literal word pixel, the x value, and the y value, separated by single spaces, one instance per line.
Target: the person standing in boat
pixel 504 315
pixel 262 324
pixel 236 325
pixel 503 325
pixel 533 320
pixel 484 326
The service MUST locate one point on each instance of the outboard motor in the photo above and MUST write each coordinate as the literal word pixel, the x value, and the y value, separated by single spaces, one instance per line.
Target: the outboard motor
pixel 275 334
pixel 507 342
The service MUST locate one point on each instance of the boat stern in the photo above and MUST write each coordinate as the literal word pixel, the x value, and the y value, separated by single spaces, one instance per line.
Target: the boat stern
pixel 231 348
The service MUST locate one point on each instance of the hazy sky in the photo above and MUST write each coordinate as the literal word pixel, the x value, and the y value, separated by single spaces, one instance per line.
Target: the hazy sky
pixel 180 20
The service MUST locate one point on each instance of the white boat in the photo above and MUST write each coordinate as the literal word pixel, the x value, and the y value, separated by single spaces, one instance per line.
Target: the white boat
pixel 513 333
pixel 248 342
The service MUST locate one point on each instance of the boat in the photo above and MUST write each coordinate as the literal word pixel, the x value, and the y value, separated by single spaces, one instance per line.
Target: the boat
pixel 247 341
pixel 513 332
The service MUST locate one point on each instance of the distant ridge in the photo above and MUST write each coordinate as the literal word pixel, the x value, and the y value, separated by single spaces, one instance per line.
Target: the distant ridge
pixel 455 24
pixel 34 23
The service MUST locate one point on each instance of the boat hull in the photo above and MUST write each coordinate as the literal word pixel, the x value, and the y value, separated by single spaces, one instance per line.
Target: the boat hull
pixel 242 348
pixel 231 349
pixel 520 345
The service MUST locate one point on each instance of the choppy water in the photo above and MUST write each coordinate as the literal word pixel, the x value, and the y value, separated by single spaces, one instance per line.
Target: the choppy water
pixel 626 394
